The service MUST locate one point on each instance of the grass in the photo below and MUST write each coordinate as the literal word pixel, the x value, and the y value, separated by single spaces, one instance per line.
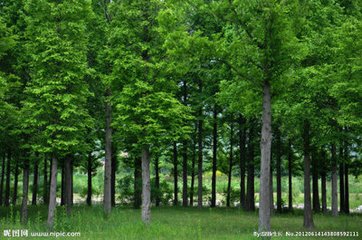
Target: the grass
pixel 171 223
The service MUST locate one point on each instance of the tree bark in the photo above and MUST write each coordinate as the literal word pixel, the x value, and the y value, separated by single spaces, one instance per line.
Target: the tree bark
pixel 316 204
pixel 214 158
pixel 230 165
pixel 16 175
pixel 68 185
pixel 89 179
pixel 334 182
pixel 341 183
pixel 184 174
pixel 308 215
pixel 346 189
pixel 137 183
pixel 242 140
pixel 35 180
pixel 290 179
pixel 62 189
pixel 7 183
pixel 113 176
pixel 45 182
pixel 250 191
pixel 146 186
pixel 157 182
pixel 324 191
pixel 193 173
pixel 24 206
pixel 199 164
pixel 2 179
pixel 265 145
pixel 108 160
pixel 175 175
pixel 279 171
pixel 52 193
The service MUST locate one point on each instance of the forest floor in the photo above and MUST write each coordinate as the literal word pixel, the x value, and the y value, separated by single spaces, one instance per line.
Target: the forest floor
pixel 172 223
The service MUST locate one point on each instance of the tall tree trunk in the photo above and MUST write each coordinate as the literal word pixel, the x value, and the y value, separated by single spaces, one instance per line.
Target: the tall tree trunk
pixel 108 160
pixel 113 176
pixel 50 177
pixel 308 215
pixel 35 180
pixel 334 182
pixel 316 204
pixel 265 145
pixel 7 183
pixel 184 156
pixel 2 179
pixel 184 174
pixel 324 191
pixel 45 182
pixel 157 182
pixel 242 140
pixel 341 182
pixel 193 173
pixel 214 158
pixel 89 177
pixel 175 175
pixel 199 163
pixel 230 165
pixel 24 206
pixel 137 183
pixel 16 175
pixel 346 189
pixel 52 193
pixel 279 170
pixel 250 191
pixel 146 186
pixel 62 189
pixel 290 179
pixel 68 185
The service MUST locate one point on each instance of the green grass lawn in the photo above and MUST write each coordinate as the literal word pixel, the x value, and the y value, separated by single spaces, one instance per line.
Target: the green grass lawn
pixel 172 223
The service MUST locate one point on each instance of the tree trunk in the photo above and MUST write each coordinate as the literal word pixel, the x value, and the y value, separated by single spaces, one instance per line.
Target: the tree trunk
pixel 265 145
pixel 50 177
pixel 68 185
pixel 279 170
pixel 89 182
pixel 45 182
pixel 193 174
pixel 2 179
pixel 157 182
pixel 35 180
pixel 137 183
pixel 230 165
pixel 199 164
pixel 242 140
pixel 346 189
pixel 7 183
pixel 250 171
pixel 184 174
pixel 113 176
pixel 271 186
pixel 334 182
pixel 308 216
pixel 214 158
pixel 316 204
pixel 324 192
pixel 341 183
pixel 24 206
pixel 108 160
pixel 52 193
pixel 175 173
pixel 290 179
pixel 15 190
pixel 62 190
pixel 146 186
pixel 184 156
